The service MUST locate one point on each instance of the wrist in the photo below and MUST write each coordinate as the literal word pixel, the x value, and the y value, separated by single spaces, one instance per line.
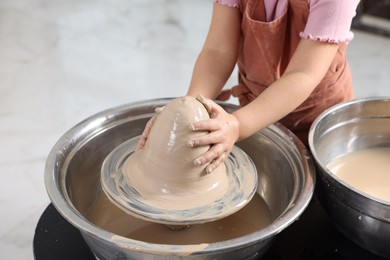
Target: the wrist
pixel 235 126
pixel 243 127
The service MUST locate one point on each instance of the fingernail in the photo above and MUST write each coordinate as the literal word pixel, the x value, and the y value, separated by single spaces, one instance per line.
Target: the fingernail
pixel 198 162
pixel 193 143
pixel 191 127
pixel 210 168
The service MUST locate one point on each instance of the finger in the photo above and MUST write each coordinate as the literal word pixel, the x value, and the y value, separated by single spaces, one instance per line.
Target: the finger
pixel 213 108
pixel 214 152
pixel 141 142
pixel 208 139
pixel 158 110
pixel 205 125
pixel 205 102
pixel 148 127
pixel 216 163
pixel 145 133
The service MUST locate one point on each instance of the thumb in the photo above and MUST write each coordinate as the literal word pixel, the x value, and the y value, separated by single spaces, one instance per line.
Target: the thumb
pixel 211 107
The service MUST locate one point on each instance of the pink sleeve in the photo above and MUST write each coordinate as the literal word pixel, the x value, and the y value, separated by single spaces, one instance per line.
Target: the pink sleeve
pixel 230 3
pixel 330 20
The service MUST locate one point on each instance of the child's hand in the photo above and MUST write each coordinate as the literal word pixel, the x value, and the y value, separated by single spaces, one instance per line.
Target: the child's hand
pixel 223 133
pixel 148 127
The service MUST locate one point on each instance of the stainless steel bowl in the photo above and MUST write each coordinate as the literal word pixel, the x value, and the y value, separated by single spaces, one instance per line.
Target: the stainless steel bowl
pixel 344 128
pixel 72 178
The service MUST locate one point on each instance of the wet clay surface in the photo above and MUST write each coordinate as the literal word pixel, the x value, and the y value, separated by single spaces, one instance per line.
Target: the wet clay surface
pixel 160 183
pixel 164 172
pixel 254 216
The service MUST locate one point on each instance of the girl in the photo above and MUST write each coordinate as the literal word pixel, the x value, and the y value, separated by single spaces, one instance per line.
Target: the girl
pixel 292 66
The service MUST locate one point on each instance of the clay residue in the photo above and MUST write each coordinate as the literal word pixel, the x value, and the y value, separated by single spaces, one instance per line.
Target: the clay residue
pixel 184 250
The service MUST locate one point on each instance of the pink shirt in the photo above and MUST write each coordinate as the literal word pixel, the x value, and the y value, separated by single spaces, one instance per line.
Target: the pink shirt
pixel 328 21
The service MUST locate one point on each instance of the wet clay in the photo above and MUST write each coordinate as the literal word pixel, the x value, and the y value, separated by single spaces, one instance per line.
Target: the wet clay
pixel 254 216
pixel 164 172
pixel 366 170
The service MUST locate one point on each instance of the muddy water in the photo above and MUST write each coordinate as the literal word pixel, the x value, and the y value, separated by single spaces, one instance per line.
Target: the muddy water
pixel 254 216
pixel 366 170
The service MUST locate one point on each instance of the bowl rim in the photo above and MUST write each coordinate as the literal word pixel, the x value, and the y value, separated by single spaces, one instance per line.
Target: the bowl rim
pixel 317 160
pixel 90 126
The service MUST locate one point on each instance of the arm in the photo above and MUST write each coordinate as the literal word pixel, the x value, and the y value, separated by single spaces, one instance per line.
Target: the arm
pixel 306 69
pixel 218 56
pixel 216 60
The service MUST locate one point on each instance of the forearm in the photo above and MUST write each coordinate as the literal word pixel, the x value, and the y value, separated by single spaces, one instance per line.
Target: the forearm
pixel 218 57
pixel 306 69
pixel 212 70
pixel 274 103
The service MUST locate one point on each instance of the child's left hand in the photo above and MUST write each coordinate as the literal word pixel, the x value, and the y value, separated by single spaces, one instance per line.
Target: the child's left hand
pixel 223 133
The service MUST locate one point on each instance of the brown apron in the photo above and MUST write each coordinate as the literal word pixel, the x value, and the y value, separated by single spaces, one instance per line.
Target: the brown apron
pixel 266 49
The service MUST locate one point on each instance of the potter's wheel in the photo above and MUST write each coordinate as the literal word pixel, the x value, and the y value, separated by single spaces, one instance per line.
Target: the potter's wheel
pixel 242 184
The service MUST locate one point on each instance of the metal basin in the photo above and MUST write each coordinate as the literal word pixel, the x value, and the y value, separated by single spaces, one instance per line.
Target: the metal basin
pixel 342 129
pixel 72 178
